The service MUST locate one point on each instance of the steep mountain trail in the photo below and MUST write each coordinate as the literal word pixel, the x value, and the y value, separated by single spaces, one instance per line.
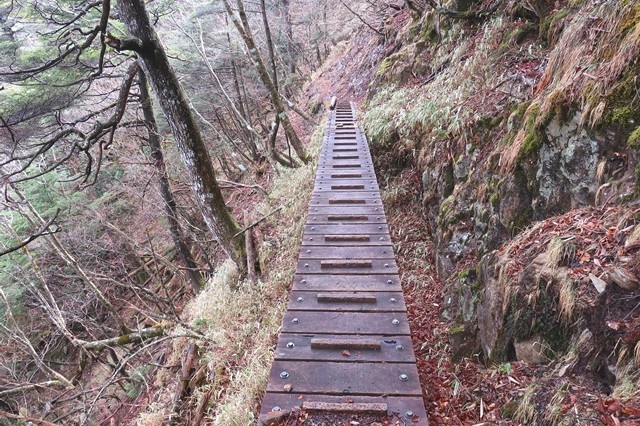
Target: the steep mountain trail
pixel 509 179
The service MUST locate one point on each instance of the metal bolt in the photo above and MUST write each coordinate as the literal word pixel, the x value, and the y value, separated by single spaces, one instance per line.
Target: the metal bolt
pixel 284 375
pixel 308 251
pixel 296 320
pixel 384 252
pixel 300 299
pixel 399 347
pixel 304 281
pixel 392 300
pixel 313 228
pixel 310 239
pixel 403 377
pixel 378 218
pixel 409 414
pixel 306 265
pixel 381 238
pixel 315 210
pixel 386 265
pixel 291 345
pixel 276 408
pixel 395 321
pixel 389 282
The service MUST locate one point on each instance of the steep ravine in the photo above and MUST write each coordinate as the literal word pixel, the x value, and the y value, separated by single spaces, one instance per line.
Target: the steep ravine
pixel 523 128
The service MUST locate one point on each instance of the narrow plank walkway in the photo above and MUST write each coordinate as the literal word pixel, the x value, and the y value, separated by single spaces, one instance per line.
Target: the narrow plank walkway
pixel 345 343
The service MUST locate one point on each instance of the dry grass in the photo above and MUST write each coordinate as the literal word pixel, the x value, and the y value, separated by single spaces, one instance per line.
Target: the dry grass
pixel 239 320
pixel 526 412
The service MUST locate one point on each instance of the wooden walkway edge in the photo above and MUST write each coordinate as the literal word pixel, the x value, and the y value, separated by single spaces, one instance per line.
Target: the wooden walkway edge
pixel 345 344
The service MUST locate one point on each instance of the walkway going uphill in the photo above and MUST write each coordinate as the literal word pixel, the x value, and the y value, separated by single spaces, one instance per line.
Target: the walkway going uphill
pixel 345 344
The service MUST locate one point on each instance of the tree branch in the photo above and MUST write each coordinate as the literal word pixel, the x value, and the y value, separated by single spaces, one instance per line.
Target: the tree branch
pixel 361 18
pixel 44 230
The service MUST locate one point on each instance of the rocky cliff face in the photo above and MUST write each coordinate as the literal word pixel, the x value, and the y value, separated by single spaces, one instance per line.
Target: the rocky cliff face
pixel 518 122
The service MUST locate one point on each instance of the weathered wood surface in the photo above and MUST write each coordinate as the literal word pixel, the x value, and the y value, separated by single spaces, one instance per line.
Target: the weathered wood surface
pixel 345 342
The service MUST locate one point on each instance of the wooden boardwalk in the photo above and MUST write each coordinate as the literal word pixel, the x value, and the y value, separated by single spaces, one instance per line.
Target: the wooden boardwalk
pixel 345 344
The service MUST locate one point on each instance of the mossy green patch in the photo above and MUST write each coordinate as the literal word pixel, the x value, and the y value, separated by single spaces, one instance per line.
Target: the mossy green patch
pixel 634 139
pixel 623 107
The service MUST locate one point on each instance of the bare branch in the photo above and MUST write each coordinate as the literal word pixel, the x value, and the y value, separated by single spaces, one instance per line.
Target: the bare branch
pixel 44 230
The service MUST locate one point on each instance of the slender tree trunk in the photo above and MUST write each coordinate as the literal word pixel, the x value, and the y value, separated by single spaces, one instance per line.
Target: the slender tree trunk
pixel 153 59
pixel 170 208
pixel 289 34
pixel 245 32
pixel 272 55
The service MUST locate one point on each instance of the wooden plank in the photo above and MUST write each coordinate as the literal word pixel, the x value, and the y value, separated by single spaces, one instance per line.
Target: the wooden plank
pixel 363 282
pixel 346 298
pixel 344 219
pixel 376 266
pixel 346 263
pixel 347 187
pixel 371 210
pixel 339 378
pixel 351 229
pixel 384 323
pixel 345 407
pixel 342 252
pixel 346 301
pixel 348 238
pixel 368 194
pixel 399 405
pixel 299 347
pixel 325 201
pixel 345 240
pixel 353 343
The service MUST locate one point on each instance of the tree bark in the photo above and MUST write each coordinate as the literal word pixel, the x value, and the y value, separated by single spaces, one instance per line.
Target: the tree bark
pixel 175 106
pixel 170 208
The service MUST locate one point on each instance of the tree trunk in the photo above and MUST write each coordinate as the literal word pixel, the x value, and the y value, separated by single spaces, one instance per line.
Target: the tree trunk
pixel 170 209
pixel 153 59
pixel 245 32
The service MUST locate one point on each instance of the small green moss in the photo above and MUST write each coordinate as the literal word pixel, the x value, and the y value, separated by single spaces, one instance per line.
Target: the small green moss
pixel 531 144
pixel 508 410
pixel 634 139
pixel 552 25
pixel 384 66
pixel 456 329
pixel 622 105
pixel 495 200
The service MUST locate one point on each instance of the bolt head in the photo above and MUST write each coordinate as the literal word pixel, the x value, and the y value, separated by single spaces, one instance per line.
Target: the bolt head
pixel 389 282
pixel 310 239
pixel 276 408
pixel 295 320
pixel 381 238
pixel 379 227
pixel 313 228
pixel 306 265
pixel 300 299
pixel 308 251
pixel 386 265
pixel 409 414
pixel 403 377
pixel 304 281
pixel 395 321
pixel 291 345
pixel 284 375
pixel 393 300
pixel 399 347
